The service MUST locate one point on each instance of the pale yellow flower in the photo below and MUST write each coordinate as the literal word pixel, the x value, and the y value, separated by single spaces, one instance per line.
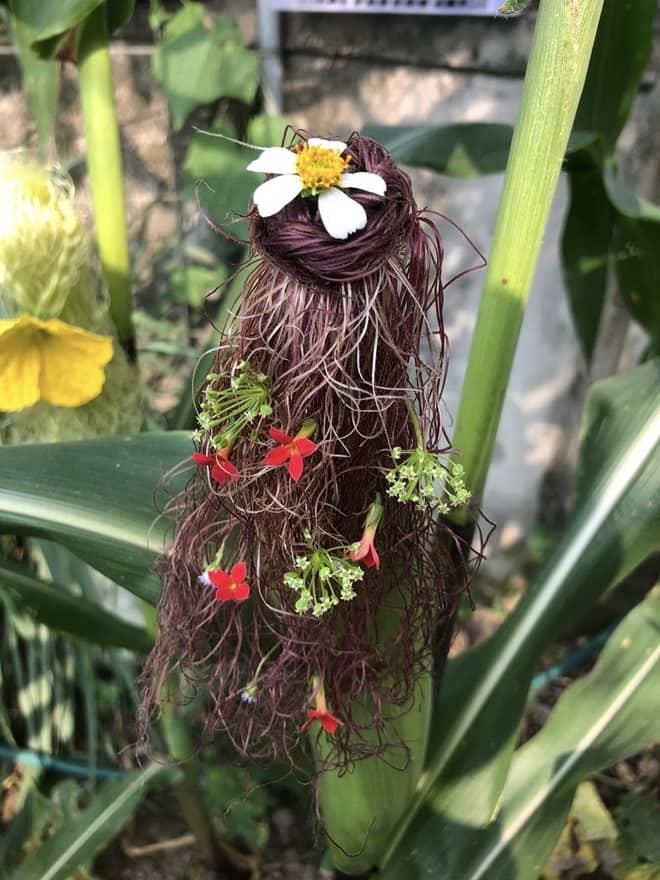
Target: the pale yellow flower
pixel 51 361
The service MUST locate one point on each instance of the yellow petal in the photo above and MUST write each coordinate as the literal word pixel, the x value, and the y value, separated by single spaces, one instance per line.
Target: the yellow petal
pixel 20 363
pixel 72 362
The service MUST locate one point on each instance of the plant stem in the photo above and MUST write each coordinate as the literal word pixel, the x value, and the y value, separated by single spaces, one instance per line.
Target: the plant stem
pixel 180 745
pixel 105 168
pixel 563 40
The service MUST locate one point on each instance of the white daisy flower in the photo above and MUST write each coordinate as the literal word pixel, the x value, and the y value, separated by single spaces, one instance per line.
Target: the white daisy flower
pixel 315 169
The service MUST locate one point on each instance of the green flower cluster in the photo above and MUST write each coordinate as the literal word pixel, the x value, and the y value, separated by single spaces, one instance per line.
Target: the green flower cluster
pixel 228 410
pixel 323 578
pixel 420 476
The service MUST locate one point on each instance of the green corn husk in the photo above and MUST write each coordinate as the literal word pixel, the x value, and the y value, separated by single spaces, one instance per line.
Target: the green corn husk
pixel 361 807
pixel 48 269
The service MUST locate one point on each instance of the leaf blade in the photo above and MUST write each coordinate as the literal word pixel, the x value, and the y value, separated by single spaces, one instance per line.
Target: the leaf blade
pixel 611 531
pixel 96 498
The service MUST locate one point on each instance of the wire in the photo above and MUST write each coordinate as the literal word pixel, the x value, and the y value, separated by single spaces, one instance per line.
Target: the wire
pixel 44 761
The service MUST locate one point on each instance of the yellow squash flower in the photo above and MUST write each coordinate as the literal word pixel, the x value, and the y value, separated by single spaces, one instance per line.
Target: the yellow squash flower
pixel 51 361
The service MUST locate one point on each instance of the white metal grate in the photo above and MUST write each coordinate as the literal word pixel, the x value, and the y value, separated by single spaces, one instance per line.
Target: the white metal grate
pixel 400 7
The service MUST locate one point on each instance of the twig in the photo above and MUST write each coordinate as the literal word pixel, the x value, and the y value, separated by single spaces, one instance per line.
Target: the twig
pixel 138 852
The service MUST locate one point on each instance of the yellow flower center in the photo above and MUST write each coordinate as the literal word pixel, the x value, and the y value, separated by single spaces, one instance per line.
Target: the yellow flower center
pixel 319 168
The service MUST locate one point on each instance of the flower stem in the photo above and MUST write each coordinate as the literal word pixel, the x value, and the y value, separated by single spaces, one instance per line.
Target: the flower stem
pixel 105 168
pixel 563 40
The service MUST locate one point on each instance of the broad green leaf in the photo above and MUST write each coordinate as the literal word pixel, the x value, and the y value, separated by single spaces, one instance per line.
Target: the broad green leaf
pixel 465 149
pixel 585 247
pixel 57 608
pixel 192 284
pixel 46 24
pixel 41 84
pixel 602 719
pixel 199 60
pixel 44 20
pixel 620 55
pixel 636 247
pixel 97 498
pixel 626 201
pixel 76 843
pixel 215 170
pixel 266 130
pixel 613 528
pixel 638 818
pixel 118 13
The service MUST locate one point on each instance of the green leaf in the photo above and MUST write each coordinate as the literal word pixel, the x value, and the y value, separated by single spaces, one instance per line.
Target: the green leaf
pixel 585 246
pixel 192 284
pixel 513 7
pixel 636 247
pixel 41 83
pixel 96 497
pixel 46 24
pixel 118 13
pixel 57 608
pixel 221 167
pixel 45 20
pixel 600 720
pixel 638 818
pixel 613 528
pixel 466 149
pixel 620 55
pixel 76 843
pixel 199 61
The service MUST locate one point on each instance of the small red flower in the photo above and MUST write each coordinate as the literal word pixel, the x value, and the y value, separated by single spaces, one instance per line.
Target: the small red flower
pixel 222 469
pixel 291 449
pixel 328 722
pixel 366 551
pixel 230 585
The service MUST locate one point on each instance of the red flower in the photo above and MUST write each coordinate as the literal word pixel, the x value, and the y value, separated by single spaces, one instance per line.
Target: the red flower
pixel 366 551
pixel 328 722
pixel 222 469
pixel 230 585
pixel 291 449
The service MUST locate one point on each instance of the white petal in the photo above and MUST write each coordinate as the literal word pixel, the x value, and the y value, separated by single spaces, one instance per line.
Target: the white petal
pixel 274 160
pixel 365 180
pixel 329 145
pixel 341 216
pixel 274 194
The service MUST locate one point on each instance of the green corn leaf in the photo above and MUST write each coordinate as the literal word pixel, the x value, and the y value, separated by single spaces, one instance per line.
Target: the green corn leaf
pixel 585 250
pixel 466 149
pixel 602 719
pixel 636 246
pixel 97 498
pixel 41 84
pixel 614 527
pixel 620 55
pixel 76 843
pixel 60 610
